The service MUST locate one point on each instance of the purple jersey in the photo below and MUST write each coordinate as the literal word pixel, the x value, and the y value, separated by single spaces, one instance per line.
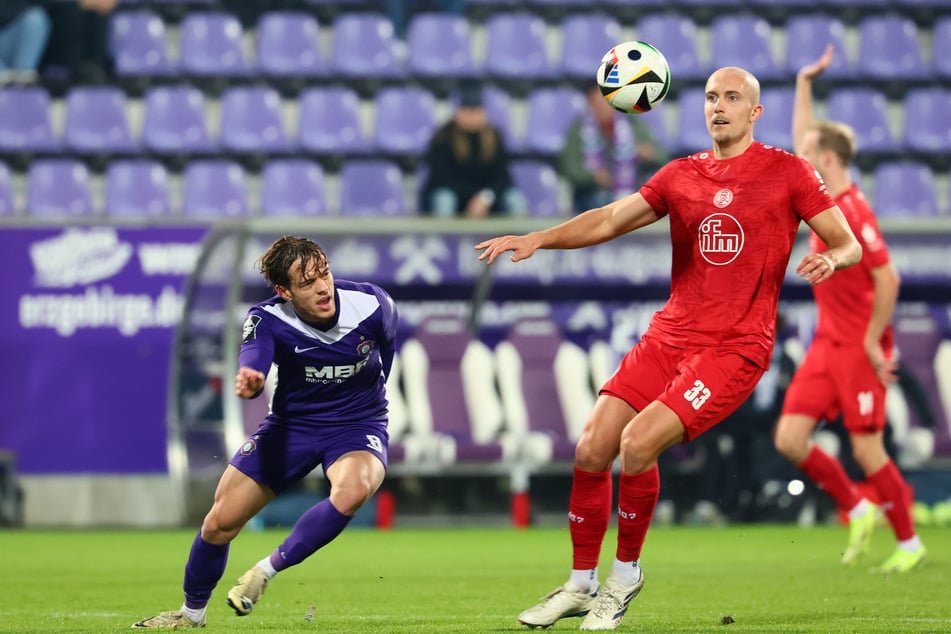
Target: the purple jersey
pixel 326 376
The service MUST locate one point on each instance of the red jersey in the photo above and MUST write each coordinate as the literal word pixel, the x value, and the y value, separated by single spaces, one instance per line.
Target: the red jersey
pixel 845 300
pixel 733 223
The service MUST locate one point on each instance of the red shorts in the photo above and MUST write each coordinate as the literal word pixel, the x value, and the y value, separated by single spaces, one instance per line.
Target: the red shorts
pixel 701 385
pixel 835 379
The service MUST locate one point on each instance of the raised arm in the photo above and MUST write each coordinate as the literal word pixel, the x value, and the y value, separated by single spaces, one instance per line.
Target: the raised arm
pixel 591 227
pixel 843 249
pixel 802 103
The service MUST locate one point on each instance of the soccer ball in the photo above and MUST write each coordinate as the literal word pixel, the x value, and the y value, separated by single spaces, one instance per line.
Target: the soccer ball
pixel 634 77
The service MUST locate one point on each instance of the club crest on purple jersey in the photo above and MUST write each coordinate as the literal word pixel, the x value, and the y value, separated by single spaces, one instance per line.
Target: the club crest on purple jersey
pixel 248 447
pixel 364 347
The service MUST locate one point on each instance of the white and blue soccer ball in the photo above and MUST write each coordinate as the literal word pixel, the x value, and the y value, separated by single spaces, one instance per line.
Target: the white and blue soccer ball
pixel 634 77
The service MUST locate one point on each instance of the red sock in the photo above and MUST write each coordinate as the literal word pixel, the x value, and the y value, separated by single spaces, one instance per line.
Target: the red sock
pixel 637 497
pixel 891 489
pixel 589 510
pixel 827 472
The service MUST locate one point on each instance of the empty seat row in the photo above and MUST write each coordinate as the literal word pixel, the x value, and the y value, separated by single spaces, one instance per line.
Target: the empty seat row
pixel 213 189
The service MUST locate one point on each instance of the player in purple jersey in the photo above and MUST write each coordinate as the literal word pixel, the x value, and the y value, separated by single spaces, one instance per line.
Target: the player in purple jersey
pixel 332 343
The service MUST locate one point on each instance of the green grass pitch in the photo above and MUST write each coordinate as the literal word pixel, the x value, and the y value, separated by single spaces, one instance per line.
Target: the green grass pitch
pixel 767 578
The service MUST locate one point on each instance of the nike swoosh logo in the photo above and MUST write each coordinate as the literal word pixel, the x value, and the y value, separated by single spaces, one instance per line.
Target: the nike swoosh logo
pixel 298 349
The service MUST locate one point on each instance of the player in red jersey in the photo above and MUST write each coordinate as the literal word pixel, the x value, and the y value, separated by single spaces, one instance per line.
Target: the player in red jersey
pixel 734 211
pixel 849 363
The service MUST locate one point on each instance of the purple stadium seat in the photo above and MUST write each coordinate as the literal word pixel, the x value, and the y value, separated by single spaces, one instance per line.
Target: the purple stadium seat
pixel 905 189
pixel 585 38
pixel 96 120
pixel 866 110
pixel 551 112
pixel 137 187
pixel 371 187
pixel 941 47
pixel 404 121
pixel 59 187
pixel 744 40
pixel 927 122
pixel 692 135
pixel 288 45
pixel 676 37
pixel 807 36
pixel 25 122
pixel 889 49
pixel 774 127
pixel 516 48
pixel 251 120
pixel 439 45
pixel 538 182
pixel 174 121
pixel 329 121
pixel 364 47
pixel 210 45
pixel 7 204
pixel 292 187
pixel 449 380
pixel 214 189
pixel 139 45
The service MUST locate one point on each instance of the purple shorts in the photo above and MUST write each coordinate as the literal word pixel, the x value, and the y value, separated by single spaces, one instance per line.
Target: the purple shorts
pixel 277 455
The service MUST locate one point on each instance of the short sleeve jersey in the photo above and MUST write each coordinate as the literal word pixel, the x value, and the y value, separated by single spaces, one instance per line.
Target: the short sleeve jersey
pixel 845 300
pixel 325 376
pixel 733 223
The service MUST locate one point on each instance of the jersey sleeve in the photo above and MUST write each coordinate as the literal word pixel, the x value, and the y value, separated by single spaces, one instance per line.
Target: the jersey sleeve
pixel 653 190
pixel 810 196
pixel 389 321
pixel 257 342
pixel 874 250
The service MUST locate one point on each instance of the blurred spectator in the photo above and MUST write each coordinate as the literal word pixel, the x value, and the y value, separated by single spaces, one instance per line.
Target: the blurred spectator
pixel 24 32
pixel 468 166
pixel 79 42
pixel 607 154
pixel 398 12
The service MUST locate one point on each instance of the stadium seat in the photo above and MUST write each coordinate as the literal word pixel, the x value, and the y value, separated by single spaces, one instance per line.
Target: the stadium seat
pixel 174 121
pixel 96 121
pixel 889 49
pixel 866 110
pixel 252 120
pixel 139 44
pixel 775 126
pixel 927 121
pixel 405 117
pixel 905 189
pixel 213 189
pixel 288 45
pixel 585 38
pixel 59 187
pixel 941 47
pixel 676 35
pixel 553 109
pixel 439 45
pixel 329 122
pixel 744 40
pixel 516 49
pixel 545 387
pixel 137 187
pixel 25 122
pixel 7 202
pixel 807 36
pixel 210 45
pixel 371 187
pixel 498 108
pixel 538 182
pixel 293 187
pixel 692 135
pixel 449 379
pixel 364 49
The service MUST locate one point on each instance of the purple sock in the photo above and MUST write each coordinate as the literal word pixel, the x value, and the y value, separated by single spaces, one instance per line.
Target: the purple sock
pixel 316 528
pixel 206 564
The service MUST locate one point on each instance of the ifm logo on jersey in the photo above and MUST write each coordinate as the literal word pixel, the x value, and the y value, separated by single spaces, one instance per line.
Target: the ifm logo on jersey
pixel 721 237
pixel 332 373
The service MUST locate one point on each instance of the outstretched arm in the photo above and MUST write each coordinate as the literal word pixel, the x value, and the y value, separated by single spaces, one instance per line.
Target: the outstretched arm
pixel 592 227
pixel 802 103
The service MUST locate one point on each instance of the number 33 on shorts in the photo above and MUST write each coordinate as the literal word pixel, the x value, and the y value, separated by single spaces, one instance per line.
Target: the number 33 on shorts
pixel 697 395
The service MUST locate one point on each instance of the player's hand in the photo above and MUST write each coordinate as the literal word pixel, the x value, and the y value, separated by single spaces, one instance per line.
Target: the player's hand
pixel 885 368
pixel 815 268
pixel 819 66
pixel 522 248
pixel 248 382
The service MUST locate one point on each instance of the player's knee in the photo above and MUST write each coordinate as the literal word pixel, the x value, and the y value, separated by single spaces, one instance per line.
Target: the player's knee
pixel 590 456
pixel 635 457
pixel 349 497
pixel 214 531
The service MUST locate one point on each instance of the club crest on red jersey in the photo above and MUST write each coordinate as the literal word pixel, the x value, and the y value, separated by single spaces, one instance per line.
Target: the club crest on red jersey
pixel 723 198
pixel 721 238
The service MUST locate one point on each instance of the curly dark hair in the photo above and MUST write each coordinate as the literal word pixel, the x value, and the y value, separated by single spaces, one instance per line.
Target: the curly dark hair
pixel 276 263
